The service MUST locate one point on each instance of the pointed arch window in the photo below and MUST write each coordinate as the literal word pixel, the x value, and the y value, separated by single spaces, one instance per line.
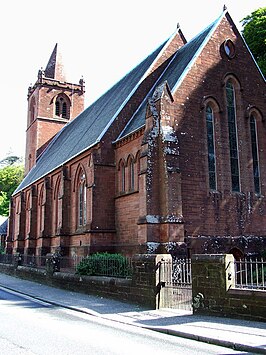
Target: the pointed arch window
pixel 232 130
pixel 123 177
pixel 82 200
pixel 64 110
pixel 137 170
pixel 41 209
pixel 17 206
pixel 211 147
pixel 32 110
pixel 58 206
pixel 28 213
pixel 131 174
pixel 255 155
pixel 121 174
pixel 62 107
pixel 57 108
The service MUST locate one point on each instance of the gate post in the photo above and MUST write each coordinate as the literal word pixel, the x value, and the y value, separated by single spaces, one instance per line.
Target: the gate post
pixel 212 276
pixel 151 273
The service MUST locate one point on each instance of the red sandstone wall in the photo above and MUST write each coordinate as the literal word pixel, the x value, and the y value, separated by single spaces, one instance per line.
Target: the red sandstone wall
pixel 220 213
pixel 47 95
pixel 127 214
pixel 47 125
pixel 225 212
pixel 127 203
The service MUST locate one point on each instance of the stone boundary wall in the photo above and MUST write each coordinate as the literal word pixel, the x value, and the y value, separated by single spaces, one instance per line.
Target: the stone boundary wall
pixel 214 292
pixel 144 288
pixel 248 303
pixel 213 285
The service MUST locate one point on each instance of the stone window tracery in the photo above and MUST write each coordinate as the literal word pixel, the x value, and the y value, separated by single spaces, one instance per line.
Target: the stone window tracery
pixel 62 107
pixel 82 200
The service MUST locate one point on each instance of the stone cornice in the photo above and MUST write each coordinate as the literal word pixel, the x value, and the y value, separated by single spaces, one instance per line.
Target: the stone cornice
pixel 129 138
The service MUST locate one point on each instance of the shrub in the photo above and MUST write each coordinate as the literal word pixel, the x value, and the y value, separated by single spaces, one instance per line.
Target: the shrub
pixel 104 264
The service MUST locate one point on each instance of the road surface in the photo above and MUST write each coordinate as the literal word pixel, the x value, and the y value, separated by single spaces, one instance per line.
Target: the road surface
pixel 28 327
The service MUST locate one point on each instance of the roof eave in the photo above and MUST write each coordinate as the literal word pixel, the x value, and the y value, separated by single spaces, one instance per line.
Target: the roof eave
pixel 55 168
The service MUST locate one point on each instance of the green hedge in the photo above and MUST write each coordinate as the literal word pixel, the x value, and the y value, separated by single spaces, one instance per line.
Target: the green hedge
pixel 105 264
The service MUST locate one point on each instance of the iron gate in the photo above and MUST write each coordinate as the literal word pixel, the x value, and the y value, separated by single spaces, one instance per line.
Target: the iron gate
pixel 180 282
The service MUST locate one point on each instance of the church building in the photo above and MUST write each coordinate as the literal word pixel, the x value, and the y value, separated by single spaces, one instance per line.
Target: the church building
pixel 172 158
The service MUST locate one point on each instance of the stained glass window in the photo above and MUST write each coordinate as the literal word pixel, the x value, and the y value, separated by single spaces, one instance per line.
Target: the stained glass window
pixel 232 130
pixel 255 156
pixel 211 148
pixel 82 198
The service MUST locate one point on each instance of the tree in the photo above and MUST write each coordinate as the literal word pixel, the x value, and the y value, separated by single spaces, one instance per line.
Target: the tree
pixel 254 32
pixel 10 160
pixel 10 177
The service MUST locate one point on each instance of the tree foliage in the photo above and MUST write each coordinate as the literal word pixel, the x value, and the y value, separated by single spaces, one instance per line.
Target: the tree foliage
pixel 254 32
pixel 10 160
pixel 10 177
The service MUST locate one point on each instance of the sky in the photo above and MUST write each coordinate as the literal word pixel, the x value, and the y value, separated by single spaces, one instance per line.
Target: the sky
pixel 99 40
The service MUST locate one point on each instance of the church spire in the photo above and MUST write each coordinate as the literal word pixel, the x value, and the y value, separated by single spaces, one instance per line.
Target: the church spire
pixel 55 68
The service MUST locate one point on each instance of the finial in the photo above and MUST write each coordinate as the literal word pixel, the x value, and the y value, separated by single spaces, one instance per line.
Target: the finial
pixel 177 26
pixel 81 81
pixel 40 75
pixel 224 8
pixel 29 90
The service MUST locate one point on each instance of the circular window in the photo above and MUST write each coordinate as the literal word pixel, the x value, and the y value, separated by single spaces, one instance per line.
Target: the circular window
pixel 229 48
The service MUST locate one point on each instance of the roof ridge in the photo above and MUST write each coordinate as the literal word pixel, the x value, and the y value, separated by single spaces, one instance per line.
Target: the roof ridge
pixel 93 123
pixel 164 44
pixel 212 27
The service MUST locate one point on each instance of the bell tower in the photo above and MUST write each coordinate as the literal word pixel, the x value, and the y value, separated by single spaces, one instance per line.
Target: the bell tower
pixel 52 102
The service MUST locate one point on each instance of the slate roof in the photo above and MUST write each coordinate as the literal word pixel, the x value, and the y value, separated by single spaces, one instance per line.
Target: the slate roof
pixel 3 227
pixel 89 127
pixel 181 62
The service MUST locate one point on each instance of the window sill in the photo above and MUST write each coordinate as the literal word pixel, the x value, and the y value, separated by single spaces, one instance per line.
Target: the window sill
pixel 126 193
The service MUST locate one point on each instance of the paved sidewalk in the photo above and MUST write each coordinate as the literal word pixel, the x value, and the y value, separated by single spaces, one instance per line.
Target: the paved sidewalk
pixel 243 335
